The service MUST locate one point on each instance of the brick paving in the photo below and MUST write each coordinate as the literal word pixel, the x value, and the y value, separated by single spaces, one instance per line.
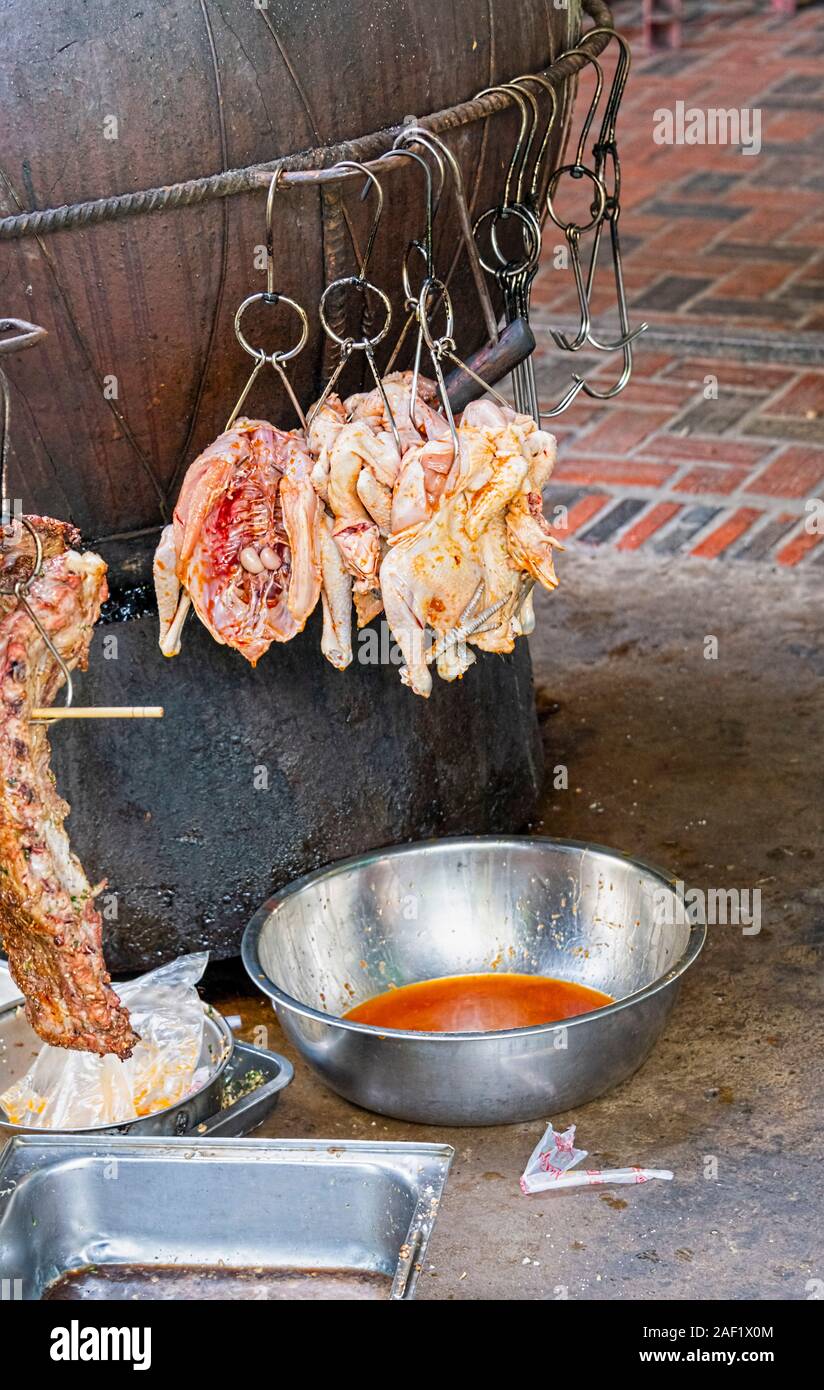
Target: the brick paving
pixel 716 448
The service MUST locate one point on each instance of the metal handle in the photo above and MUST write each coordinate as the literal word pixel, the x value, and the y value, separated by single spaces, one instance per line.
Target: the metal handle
pixel 250 1110
pixel 491 363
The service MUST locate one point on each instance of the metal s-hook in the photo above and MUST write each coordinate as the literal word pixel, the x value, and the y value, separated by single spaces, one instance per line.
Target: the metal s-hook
pixel 573 230
pixel 359 282
pixel 421 136
pixel 605 149
pixel 272 297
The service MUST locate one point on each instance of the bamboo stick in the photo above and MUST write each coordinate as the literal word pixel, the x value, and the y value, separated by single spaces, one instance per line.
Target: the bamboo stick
pixel 53 713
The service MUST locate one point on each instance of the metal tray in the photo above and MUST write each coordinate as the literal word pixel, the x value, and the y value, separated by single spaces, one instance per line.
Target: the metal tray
pixel 67 1203
pixel 203 1112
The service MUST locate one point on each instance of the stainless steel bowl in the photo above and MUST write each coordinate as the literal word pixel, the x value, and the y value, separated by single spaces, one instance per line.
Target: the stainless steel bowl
pixel 576 911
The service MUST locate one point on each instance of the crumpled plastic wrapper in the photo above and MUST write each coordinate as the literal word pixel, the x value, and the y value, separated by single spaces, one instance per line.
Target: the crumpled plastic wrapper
pixel 79 1090
pixel 554 1155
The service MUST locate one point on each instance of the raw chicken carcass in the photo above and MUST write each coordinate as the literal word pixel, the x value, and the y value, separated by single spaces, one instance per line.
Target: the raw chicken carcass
pixel 244 545
pixel 48 922
pixel 484 531
pixel 397 388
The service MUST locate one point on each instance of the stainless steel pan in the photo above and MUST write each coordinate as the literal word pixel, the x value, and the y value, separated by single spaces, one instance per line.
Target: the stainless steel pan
pixel 272 1206
pixel 205 1111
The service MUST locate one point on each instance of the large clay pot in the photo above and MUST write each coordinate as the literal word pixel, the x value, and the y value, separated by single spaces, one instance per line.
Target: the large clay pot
pixel 139 372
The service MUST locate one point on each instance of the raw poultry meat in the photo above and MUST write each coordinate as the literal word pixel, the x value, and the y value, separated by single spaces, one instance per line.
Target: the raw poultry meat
pixel 432 571
pixel 48 922
pixel 268 521
pixel 419 534
pixel 244 545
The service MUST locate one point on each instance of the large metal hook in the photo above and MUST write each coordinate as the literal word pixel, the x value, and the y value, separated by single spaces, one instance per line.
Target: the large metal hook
pixel 573 230
pixel 354 165
pixel 549 88
pixel 535 115
pixel 422 136
pixel 270 296
pixel 516 161
pixel 424 247
pixel 605 149
pixel 367 344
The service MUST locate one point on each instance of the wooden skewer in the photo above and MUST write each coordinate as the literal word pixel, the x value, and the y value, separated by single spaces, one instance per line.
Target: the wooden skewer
pixel 53 713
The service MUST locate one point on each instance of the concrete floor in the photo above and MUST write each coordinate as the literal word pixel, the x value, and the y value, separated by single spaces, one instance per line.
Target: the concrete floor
pixel 711 769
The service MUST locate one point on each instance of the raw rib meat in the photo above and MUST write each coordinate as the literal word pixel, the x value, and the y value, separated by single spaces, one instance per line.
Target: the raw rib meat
pixel 48 922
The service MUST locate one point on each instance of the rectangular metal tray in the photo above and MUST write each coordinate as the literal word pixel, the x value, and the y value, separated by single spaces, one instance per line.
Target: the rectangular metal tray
pixel 272 1204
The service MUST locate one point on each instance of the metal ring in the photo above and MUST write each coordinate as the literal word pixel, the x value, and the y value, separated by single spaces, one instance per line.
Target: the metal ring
pixel 577 171
pixel 258 352
pixel 513 268
pixel 362 286
pixel 526 218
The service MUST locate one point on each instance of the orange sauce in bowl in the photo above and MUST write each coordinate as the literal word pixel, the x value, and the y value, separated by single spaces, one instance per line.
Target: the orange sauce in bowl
pixel 478 1004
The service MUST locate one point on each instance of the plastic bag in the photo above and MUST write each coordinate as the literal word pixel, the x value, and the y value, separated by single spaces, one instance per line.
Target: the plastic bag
pixel 555 1153
pixel 79 1090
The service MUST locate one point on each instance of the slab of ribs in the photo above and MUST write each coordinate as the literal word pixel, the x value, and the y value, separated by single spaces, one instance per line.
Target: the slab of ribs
pixel 49 925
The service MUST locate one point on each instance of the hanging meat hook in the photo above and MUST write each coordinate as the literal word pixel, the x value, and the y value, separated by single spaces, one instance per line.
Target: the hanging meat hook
pixel 270 296
pixel 605 151
pixel 421 136
pixel 573 230
pixel 359 282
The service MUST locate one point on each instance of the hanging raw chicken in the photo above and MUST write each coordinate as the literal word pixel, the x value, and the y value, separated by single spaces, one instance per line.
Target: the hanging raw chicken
pixel 486 527
pixel 418 532
pixel 244 546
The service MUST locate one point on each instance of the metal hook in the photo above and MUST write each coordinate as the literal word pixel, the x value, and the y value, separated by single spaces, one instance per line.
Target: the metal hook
pixel 518 153
pixel 515 90
pixel 359 282
pixel 627 337
pixel 424 248
pixel 272 297
pixel 606 149
pixel 619 81
pixel 572 232
pixel 355 164
pixel 20 590
pixel 437 347
pixel 594 102
pixel 549 88
pixel 422 136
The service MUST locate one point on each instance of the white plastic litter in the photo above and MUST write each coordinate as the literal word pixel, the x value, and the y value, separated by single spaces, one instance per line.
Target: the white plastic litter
pixel 554 1155
pixel 79 1090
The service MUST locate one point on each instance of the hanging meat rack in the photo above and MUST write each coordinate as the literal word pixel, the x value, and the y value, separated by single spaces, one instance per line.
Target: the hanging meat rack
pixel 335 164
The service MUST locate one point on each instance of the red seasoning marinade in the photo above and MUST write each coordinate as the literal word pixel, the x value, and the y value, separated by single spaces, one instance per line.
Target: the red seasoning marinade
pixel 478 1003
